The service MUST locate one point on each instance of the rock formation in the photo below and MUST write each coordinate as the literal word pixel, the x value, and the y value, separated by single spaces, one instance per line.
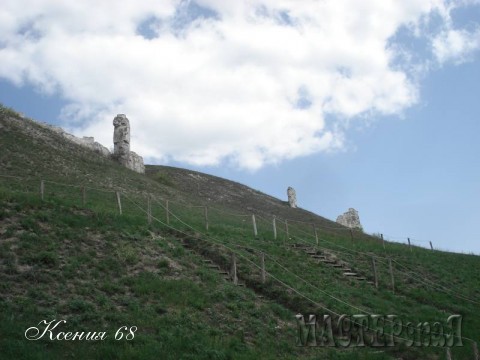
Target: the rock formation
pixel 89 141
pixel 121 145
pixel 86 141
pixel 292 197
pixel 350 219
pixel 121 139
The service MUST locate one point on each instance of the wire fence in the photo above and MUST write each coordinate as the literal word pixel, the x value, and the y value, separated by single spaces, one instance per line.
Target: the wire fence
pixel 201 218
pixel 286 231
pixel 105 199
pixel 246 226
pixel 247 256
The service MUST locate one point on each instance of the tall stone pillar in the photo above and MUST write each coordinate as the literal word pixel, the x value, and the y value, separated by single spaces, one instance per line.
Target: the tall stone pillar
pixel 121 145
pixel 292 197
pixel 121 139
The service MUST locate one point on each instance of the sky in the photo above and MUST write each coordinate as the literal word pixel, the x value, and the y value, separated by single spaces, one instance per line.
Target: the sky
pixel 367 104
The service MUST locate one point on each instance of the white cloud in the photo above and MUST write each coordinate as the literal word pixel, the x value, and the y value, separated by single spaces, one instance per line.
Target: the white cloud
pixel 250 85
pixel 455 45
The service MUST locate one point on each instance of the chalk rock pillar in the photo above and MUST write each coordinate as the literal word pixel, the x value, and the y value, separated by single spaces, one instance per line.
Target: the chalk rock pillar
pixel 121 139
pixel 350 219
pixel 121 145
pixel 292 197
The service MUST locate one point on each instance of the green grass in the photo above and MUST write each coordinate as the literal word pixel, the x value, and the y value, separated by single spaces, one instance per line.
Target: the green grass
pixel 96 282
pixel 125 235
pixel 60 258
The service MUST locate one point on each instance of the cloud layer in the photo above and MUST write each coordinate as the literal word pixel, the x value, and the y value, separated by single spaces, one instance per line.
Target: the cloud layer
pixel 241 82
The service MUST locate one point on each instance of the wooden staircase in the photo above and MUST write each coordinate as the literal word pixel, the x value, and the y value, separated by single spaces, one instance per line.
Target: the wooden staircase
pixel 326 258
pixel 225 274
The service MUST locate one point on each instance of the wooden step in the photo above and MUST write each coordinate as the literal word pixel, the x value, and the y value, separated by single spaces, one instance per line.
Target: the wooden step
pixel 349 274
pixel 337 265
pixel 207 261
pixel 328 261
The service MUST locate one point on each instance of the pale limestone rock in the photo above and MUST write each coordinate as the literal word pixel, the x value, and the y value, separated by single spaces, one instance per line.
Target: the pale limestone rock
pixel 121 145
pixel 292 197
pixel 95 146
pixel 121 139
pixel 136 163
pixel 88 142
pixel 350 219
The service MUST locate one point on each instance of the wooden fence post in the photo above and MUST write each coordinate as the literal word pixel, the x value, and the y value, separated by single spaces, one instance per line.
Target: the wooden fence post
pixel 315 232
pixel 374 269
pixel 431 246
pixel 254 223
pixel 409 245
pixel 42 189
pixel 390 266
pixel 383 241
pixel 119 202
pixel 476 356
pixel 149 210
pixel 233 271
pixel 274 228
pixel 286 229
pixel 449 353
pixel 167 212
pixel 84 196
pixel 206 217
pixel 262 264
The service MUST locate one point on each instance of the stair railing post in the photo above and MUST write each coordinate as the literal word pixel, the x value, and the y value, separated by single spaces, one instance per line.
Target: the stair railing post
pixel 149 209
pixel 42 189
pixel 315 233
pixel 374 269
pixel 206 217
pixel 254 223
pixel 274 228
pixel 167 212
pixel 233 272
pixel 262 264
pixel 392 279
pixel 119 202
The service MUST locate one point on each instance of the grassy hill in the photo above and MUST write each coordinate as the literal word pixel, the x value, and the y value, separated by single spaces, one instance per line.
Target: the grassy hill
pixel 72 256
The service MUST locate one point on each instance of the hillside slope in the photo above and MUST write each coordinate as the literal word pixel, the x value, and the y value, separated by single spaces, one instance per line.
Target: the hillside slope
pixel 72 256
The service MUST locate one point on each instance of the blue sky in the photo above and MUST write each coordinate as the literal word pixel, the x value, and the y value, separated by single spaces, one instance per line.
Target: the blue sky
pixel 377 110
